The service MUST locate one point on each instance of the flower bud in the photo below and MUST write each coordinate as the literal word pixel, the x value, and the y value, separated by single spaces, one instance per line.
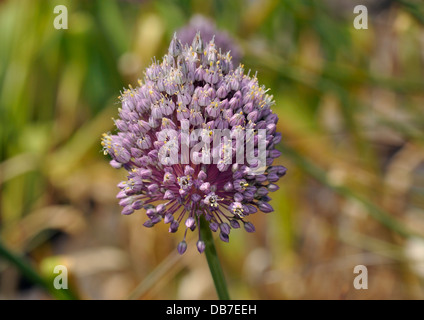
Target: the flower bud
pixel 182 247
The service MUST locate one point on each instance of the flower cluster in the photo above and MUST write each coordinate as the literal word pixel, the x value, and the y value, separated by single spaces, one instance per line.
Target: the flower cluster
pixel 196 86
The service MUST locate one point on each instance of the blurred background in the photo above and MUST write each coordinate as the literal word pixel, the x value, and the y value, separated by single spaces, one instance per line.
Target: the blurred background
pixel 350 103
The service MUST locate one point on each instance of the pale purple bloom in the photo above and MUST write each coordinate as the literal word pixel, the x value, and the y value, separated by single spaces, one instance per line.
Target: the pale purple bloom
pixel 195 86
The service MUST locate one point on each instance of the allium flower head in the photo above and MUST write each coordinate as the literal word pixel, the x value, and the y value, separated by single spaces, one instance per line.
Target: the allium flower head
pixel 195 89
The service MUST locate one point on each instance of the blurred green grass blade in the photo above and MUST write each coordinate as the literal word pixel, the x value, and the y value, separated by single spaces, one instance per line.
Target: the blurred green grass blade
pixel 171 14
pixel 374 245
pixel 374 211
pixel 82 142
pixel 168 265
pixel 32 275
pixel 112 22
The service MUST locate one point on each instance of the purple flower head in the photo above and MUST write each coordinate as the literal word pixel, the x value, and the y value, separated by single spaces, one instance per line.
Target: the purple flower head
pixel 194 92
pixel 208 30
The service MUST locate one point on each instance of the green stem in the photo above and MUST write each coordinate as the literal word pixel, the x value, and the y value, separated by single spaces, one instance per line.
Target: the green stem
pixel 32 275
pixel 213 261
